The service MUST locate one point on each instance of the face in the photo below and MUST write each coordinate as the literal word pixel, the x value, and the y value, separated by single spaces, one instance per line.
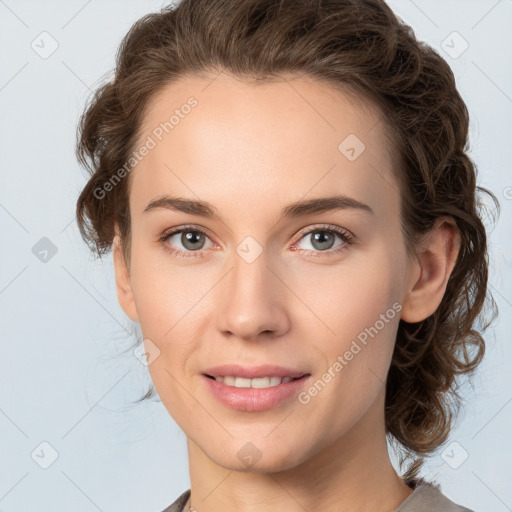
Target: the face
pixel 317 289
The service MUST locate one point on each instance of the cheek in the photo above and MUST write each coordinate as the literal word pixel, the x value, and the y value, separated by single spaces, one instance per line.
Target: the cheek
pixel 164 293
pixel 171 302
pixel 359 314
pixel 353 295
pixel 357 308
pixel 167 306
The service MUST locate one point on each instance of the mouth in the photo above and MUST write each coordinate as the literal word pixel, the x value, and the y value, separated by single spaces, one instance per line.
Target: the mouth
pixel 254 388
pixel 255 394
pixel 256 383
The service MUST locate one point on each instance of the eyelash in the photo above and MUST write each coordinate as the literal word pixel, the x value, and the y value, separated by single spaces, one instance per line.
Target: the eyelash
pixel 345 236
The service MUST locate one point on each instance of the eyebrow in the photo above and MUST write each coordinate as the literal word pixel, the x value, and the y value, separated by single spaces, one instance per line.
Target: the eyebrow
pixel 297 209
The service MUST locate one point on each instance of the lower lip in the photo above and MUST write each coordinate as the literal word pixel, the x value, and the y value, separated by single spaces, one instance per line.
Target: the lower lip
pixel 251 399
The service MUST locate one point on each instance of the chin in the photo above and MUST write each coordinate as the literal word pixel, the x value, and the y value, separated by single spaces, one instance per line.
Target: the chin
pixel 251 459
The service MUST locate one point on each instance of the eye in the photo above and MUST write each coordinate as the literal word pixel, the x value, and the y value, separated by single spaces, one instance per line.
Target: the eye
pixel 322 239
pixel 191 239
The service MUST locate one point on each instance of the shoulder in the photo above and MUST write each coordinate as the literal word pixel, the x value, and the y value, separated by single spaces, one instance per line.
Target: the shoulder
pixel 177 506
pixel 427 496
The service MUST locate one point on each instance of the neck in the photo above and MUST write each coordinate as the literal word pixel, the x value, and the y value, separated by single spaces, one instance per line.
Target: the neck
pixel 353 473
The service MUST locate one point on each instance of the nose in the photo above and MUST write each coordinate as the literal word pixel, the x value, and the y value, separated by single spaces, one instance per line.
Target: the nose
pixel 251 301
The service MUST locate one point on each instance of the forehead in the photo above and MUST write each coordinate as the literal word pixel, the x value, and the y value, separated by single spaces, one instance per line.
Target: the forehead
pixel 220 139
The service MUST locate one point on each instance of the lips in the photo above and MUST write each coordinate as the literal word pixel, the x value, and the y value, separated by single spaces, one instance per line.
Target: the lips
pixel 253 399
pixel 254 372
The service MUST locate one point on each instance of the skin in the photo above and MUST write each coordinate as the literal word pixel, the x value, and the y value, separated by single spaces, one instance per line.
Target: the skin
pixel 251 150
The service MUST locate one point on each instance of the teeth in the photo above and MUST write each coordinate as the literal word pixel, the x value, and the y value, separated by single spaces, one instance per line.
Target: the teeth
pixel 259 383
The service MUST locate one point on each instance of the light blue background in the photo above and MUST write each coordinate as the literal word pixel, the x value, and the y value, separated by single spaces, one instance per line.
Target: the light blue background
pixel 63 378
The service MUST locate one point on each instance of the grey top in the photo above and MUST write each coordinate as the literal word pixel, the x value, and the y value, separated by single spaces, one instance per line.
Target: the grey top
pixel 427 497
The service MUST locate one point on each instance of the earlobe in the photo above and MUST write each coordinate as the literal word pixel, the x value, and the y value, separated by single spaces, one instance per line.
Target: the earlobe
pixel 435 260
pixel 123 281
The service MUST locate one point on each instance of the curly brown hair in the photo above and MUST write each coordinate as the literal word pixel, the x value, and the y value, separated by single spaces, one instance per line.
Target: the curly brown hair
pixel 361 47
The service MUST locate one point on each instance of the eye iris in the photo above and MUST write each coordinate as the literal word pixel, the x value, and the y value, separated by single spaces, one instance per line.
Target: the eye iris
pixel 321 236
pixel 191 237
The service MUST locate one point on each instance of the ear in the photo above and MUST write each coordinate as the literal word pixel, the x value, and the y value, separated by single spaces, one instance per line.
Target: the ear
pixel 123 282
pixel 436 258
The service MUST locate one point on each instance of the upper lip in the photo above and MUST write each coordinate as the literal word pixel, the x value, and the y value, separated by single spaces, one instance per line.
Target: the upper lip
pixel 253 372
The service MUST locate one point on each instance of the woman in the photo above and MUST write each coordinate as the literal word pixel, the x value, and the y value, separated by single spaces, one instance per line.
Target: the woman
pixel 294 224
